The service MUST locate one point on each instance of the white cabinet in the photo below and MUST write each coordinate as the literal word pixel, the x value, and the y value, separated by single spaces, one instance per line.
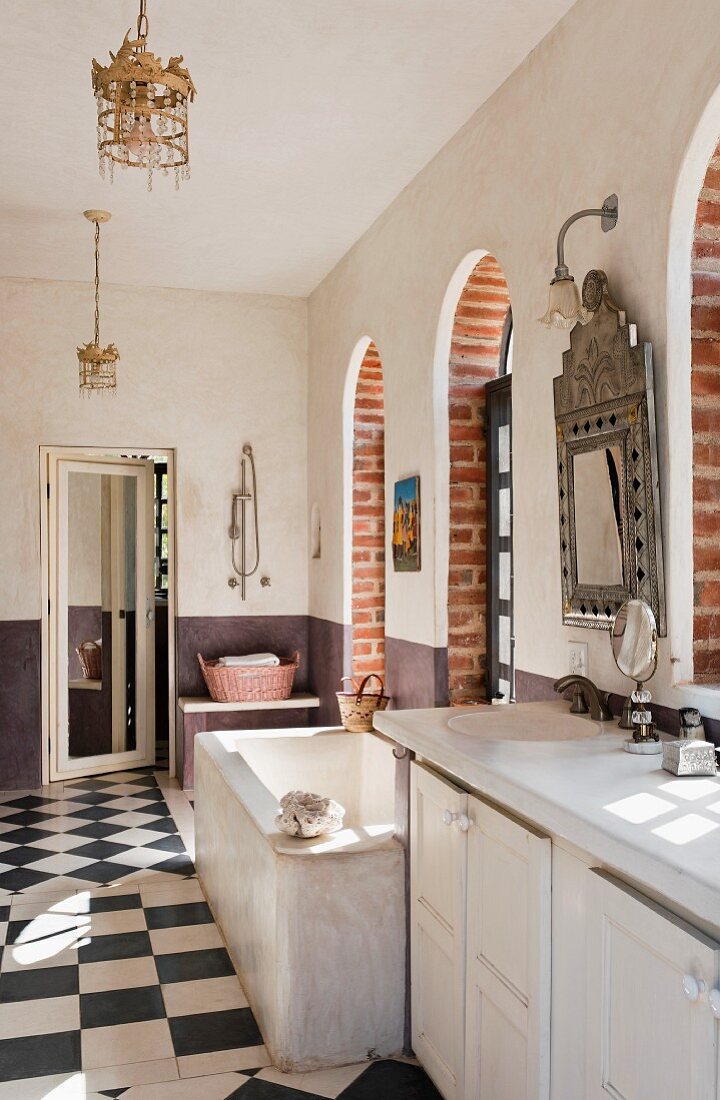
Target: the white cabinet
pixel 480 945
pixel 651 1031
pixel 438 876
pixel 507 1033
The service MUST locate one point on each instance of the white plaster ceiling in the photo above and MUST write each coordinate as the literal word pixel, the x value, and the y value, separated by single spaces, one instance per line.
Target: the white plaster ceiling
pixel 311 116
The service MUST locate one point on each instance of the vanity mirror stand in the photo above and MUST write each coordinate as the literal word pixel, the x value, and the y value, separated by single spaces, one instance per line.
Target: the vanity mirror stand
pixel 634 647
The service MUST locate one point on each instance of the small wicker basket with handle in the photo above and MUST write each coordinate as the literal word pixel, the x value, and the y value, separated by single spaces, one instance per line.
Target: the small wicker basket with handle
pixel 250 684
pixel 90 657
pixel 358 707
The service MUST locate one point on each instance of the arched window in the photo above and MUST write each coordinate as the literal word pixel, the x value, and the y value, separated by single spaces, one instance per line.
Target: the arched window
pixel 480 351
pixel 705 322
pixel 368 518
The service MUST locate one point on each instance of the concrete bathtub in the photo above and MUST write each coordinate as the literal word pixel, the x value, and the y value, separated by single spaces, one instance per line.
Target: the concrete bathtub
pixel 316 928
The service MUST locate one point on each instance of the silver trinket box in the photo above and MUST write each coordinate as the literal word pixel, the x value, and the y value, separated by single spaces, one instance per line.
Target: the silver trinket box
pixel 683 757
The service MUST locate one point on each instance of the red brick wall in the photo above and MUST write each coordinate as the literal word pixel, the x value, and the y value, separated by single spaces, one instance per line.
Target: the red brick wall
pixel 706 427
pixel 474 360
pixel 368 549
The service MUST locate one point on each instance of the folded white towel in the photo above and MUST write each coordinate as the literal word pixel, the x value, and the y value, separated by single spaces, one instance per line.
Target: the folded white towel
pixel 251 660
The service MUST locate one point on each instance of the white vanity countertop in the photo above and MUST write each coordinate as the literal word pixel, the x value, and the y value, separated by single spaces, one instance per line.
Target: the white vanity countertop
pixel 623 810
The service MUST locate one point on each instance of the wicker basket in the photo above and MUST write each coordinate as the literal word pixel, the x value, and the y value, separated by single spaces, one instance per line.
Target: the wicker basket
pixel 90 657
pixel 237 684
pixel 358 707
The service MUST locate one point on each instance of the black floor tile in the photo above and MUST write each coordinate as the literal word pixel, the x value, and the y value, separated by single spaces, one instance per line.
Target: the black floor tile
pixel 147 780
pixel 29 802
pixel 155 809
pixel 176 865
pixel 41 1055
pixel 30 927
pixel 96 829
pixel 168 844
pixel 104 872
pixel 27 817
pixel 162 825
pixel 4 913
pixel 24 835
pixel 398 1080
pixel 101 849
pixel 114 902
pixel 21 877
pixel 266 1090
pixel 47 981
pixel 189 966
pixel 21 856
pixel 151 794
pixel 121 1006
pixel 122 945
pixel 93 798
pixel 177 916
pixel 93 813
pixel 204 1032
pixel 90 784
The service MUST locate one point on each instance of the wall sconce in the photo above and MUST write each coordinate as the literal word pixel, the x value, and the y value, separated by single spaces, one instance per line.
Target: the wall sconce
pixel 565 306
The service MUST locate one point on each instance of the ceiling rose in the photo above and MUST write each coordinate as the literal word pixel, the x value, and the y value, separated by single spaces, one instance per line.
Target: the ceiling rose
pixel 142 109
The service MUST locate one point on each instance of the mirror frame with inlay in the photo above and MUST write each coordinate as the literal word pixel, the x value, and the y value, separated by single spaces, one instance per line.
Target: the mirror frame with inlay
pixel 605 398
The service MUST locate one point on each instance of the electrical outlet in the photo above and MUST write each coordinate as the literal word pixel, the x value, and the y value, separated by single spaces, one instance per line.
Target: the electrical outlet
pixel 578 658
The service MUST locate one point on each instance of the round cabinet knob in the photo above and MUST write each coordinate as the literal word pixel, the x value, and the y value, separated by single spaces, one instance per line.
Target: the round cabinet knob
pixel 714 1002
pixel 693 988
pixel 464 823
pixel 448 817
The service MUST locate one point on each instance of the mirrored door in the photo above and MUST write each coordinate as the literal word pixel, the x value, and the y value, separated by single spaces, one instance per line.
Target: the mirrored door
pixel 101 615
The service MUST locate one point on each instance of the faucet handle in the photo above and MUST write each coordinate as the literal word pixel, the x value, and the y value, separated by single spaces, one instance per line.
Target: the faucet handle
pixel 578 705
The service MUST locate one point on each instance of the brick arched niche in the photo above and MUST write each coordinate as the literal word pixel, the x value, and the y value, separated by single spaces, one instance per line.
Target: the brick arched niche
pixel 705 323
pixel 368 518
pixel 476 349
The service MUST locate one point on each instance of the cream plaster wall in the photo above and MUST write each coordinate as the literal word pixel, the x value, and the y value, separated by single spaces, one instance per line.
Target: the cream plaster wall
pixel 614 99
pixel 199 372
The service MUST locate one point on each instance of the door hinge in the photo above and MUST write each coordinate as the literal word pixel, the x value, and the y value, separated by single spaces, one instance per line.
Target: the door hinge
pixel 48 490
pixel 48 607
pixel 49 746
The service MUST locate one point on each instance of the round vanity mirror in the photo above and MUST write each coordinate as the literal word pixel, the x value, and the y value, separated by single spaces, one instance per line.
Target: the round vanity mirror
pixel 634 641
pixel 634 646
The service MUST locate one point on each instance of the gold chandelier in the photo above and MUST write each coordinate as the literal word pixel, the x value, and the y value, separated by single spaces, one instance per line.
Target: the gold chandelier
pixel 97 365
pixel 142 109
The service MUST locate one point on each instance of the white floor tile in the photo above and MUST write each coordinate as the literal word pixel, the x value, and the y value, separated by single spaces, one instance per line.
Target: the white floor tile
pixel 55 949
pixel 136 837
pixel 61 1086
pixel 117 974
pixel 170 893
pixel 223 1061
pixel 195 937
pixel 322 1082
pixel 129 819
pixel 121 920
pixel 62 863
pixel 124 1043
pixel 210 995
pixel 40 1017
pixel 63 824
pixel 134 1073
pixel 217 1087
pixel 24 907
pixel 139 857
pixel 60 842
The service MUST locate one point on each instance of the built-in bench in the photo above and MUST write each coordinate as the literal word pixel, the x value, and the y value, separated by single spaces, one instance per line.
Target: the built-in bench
pixel 201 714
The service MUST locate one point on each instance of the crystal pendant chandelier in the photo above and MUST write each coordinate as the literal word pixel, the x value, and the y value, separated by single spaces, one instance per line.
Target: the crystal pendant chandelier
pixel 142 109
pixel 97 365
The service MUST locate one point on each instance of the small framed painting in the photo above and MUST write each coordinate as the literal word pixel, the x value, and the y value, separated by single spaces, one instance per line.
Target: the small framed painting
pixel 406 526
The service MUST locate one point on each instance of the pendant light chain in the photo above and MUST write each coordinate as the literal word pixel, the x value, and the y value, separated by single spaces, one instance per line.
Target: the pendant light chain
pixel 143 25
pixel 97 283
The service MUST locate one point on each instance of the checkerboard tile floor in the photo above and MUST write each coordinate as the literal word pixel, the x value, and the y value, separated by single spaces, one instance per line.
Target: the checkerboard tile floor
pixel 114 978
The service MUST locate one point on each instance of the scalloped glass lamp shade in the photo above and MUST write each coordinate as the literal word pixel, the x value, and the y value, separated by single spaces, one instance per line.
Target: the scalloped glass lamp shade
pixel 565 306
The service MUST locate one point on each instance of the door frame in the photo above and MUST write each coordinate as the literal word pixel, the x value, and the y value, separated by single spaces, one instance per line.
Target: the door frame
pixel 51 453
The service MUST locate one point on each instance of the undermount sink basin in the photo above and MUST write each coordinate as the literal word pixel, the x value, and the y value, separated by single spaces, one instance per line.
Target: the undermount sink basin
pixel 526 722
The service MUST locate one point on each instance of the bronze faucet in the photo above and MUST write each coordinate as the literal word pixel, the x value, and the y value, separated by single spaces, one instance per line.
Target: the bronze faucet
pixel 586 696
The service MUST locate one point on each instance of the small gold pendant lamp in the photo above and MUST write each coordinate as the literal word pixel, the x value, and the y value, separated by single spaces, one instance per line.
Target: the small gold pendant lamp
pixel 97 365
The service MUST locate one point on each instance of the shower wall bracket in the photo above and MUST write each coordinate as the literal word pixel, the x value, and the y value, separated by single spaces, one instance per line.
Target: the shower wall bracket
pixel 238 530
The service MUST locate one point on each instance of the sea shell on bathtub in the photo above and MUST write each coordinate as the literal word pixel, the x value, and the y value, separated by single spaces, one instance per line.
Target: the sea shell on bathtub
pixel 306 815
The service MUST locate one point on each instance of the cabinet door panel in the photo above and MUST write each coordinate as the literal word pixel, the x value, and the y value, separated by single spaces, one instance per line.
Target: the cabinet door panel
pixel 646 1040
pixel 507 1044
pixel 438 917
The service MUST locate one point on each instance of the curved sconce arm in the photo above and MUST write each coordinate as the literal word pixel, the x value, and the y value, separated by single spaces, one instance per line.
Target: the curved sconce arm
pixel 608 214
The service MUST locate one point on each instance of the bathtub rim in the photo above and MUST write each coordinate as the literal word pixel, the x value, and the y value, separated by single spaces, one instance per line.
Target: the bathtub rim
pixel 262 806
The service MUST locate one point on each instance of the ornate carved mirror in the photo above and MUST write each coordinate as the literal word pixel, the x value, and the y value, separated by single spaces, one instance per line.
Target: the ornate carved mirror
pixel 610 537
